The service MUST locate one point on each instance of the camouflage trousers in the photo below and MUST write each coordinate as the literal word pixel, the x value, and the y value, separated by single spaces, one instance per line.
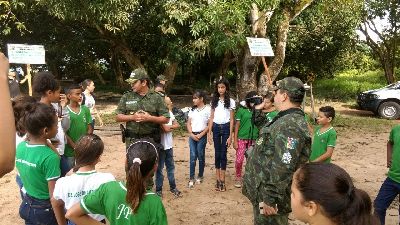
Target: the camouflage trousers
pixel 260 219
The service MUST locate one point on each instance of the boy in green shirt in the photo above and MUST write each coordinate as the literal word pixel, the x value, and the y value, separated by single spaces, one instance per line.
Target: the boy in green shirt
pixel 80 119
pixel 324 140
pixel 390 188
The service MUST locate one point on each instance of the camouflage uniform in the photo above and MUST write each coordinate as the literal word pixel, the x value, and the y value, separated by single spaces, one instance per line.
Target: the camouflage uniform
pixel 283 145
pixel 131 102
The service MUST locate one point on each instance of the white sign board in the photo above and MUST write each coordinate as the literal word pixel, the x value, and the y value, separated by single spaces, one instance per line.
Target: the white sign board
pixel 260 47
pixel 26 54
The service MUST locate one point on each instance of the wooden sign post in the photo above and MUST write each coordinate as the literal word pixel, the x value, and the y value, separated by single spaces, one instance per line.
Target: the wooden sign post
pixel 26 54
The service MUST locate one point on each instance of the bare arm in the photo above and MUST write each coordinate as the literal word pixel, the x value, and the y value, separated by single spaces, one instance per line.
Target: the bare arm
pixel 231 125
pixel 79 216
pixel 89 129
pixel 70 142
pixel 235 135
pixel 57 205
pixel 7 130
pixel 326 155
pixel 389 152
pixel 210 125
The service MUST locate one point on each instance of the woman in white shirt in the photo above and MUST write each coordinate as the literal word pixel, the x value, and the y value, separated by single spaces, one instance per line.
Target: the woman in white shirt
pixel 221 125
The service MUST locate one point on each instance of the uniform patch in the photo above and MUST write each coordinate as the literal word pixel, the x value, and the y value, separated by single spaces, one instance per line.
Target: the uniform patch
pixel 131 102
pixel 260 141
pixel 286 158
pixel 291 143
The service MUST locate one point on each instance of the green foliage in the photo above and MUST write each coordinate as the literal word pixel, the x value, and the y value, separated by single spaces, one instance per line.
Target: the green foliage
pixel 323 38
pixel 364 123
pixel 8 19
pixel 346 85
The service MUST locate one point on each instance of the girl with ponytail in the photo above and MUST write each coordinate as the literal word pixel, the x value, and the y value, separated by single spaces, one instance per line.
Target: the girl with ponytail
pixel 128 203
pixel 325 194
pixel 71 189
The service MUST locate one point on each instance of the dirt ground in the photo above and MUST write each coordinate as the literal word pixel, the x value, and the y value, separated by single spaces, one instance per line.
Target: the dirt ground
pixel 362 154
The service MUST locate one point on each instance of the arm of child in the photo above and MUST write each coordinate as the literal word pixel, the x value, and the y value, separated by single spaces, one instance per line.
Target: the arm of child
pixel 389 152
pixel 70 142
pixel 231 125
pixel 210 125
pixel 57 205
pixel 326 155
pixel 235 135
pixel 52 147
pixel 169 128
pixel 79 216
pixel 7 131
pixel 189 129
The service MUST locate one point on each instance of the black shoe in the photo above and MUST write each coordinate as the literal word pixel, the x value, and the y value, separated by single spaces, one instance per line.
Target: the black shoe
pixel 176 193
pixel 217 185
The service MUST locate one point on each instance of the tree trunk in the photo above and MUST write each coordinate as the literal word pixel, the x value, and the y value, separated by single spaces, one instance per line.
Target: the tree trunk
pixel 389 72
pixel 97 72
pixel 226 61
pixel 170 72
pixel 247 68
pixel 117 69
pixel 132 59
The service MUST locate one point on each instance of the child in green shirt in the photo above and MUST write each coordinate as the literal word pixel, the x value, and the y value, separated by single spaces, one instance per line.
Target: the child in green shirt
pixel 269 108
pixel 128 203
pixel 80 122
pixel 324 140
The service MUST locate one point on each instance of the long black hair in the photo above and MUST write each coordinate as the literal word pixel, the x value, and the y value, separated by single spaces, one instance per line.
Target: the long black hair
pixel 215 97
pixel 331 187
pixel 141 156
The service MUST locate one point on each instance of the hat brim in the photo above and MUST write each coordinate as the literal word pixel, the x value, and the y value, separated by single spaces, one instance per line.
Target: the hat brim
pixel 131 81
pixel 274 88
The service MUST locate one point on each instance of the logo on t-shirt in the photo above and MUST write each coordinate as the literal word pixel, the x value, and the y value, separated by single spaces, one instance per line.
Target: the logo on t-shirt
pixel 124 211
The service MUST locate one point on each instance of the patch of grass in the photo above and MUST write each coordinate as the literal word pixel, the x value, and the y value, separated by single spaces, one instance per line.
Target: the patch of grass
pixel 108 118
pixel 370 124
pixel 346 85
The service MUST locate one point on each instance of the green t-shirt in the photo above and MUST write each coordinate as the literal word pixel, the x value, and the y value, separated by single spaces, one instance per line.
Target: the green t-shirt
pixel 271 115
pixel 37 164
pixel 394 138
pixel 247 130
pixel 109 200
pixel 322 141
pixel 78 127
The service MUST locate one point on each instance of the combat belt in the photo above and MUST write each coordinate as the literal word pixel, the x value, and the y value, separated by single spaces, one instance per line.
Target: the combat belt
pixel 125 133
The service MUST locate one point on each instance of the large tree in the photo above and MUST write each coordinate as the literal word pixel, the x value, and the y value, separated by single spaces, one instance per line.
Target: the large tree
pixel 380 26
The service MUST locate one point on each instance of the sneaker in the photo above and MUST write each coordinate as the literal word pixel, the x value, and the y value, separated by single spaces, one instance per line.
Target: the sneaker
pixel 159 193
pixel 176 193
pixel 238 184
pixel 218 185
pixel 191 184
pixel 199 180
pixel 222 186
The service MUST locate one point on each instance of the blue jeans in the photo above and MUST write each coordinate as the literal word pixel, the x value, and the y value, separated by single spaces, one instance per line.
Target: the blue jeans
pixel 36 211
pixel 220 135
pixel 165 157
pixel 388 192
pixel 197 151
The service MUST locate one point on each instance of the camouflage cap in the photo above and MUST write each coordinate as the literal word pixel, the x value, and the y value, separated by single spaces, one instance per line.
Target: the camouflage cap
pixel 137 74
pixel 292 85
pixel 161 77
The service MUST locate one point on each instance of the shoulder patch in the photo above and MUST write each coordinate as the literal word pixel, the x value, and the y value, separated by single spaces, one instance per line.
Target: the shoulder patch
pixel 286 158
pixel 291 143
pixel 260 141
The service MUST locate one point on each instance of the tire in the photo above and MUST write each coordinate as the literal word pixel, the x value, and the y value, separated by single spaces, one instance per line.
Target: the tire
pixel 389 110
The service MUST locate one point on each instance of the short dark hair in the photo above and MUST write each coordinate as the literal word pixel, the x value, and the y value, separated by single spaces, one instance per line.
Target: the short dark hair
pixel 294 98
pixel 43 82
pixel 328 111
pixel 73 87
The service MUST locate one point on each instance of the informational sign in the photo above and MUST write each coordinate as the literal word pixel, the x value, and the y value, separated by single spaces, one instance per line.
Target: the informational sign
pixel 26 54
pixel 260 47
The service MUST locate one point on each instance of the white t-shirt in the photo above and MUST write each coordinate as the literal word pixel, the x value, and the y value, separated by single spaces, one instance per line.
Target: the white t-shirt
pixel 60 136
pixel 199 118
pixel 222 114
pixel 166 137
pixel 89 101
pixel 71 189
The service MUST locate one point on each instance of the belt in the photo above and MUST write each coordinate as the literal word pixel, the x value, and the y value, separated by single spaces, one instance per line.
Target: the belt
pixel 196 133
pixel 131 134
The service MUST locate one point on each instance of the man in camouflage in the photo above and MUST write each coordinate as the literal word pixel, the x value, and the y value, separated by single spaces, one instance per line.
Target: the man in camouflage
pixel 283 145
pixel 142 109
